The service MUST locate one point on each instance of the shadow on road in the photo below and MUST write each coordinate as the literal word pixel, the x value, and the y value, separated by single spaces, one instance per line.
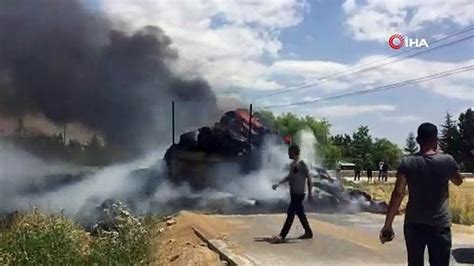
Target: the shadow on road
pixel 271 240
pixel 464 255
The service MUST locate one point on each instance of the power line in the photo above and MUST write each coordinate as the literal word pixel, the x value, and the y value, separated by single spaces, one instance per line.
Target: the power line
pixel 345 73
pixel 373 67
pixel 381 88
pixel 463 30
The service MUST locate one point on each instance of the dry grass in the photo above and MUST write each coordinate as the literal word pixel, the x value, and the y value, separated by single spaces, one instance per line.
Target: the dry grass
pixel 461 203
pixel 461 199
pixel 39 239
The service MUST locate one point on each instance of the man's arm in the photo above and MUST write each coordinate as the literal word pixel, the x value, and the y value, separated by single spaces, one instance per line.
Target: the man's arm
pixel 284 180
pixel 307 175
pixel 457 179
pixel 396 199
pixel 310 186
pixel 398 194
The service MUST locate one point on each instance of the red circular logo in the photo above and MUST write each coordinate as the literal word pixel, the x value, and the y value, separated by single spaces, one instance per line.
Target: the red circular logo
pixel 396 46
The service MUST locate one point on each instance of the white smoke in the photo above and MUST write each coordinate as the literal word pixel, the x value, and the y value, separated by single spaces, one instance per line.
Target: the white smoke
pixel 308 143
pixel 258 185
pixel 21 171
pixel 111 182
pixel 126 181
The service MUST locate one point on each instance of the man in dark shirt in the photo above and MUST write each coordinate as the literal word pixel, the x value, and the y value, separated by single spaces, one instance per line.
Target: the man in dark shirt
pixel 427 217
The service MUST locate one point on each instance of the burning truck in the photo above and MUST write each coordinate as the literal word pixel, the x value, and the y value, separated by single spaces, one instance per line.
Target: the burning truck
pixel 237 140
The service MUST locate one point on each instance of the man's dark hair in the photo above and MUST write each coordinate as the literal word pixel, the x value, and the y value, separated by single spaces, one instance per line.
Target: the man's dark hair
pixel 427 131
pixel 294 148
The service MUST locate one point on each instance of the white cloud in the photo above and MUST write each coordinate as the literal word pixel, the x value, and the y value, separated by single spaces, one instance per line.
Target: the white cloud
pixel 376 20
pixel 306 68
pixel 231 42
pixel 223 40
pixel 352 110
pixel 402 119
pixel 458 86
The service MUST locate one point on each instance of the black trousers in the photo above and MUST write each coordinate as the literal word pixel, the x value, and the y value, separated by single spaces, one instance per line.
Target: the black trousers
pixel 296 207
pixel 384 176
pixel 356 175
pixel 437 239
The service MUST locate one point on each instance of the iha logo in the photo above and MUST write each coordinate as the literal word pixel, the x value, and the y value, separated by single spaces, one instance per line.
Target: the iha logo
pixel 397 41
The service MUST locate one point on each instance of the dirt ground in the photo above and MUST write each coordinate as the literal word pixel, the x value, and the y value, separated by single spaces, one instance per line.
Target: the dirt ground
pixel 353 235
pixel 177 244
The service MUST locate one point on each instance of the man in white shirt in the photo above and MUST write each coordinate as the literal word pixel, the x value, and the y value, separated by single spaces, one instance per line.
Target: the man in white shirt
pixel 297 178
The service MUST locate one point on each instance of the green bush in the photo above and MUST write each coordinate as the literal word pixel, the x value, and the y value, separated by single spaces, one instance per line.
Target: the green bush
pixel 467 218
pixel 38 239
pixel 456 215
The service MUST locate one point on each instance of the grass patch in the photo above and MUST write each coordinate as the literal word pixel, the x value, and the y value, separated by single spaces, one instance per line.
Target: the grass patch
pixel 43 239
pixel 461 199
pixel 39 239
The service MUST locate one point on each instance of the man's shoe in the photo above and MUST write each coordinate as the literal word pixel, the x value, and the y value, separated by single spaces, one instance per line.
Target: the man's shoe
pixel 277 239
pixel 306 236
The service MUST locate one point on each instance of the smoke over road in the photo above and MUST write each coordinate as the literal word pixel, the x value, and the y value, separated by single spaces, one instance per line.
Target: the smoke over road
pixel 59 59
pixel 142 184
pixel 27 181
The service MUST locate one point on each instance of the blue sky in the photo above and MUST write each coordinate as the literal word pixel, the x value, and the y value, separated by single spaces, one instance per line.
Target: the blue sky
pixel 249 48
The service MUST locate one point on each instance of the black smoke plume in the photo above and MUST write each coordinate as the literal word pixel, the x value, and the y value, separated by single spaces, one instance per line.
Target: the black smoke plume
pixel 61 59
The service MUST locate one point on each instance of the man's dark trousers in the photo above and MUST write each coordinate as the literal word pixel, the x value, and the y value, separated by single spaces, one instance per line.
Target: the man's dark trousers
pixel 296 207
pixel 438 240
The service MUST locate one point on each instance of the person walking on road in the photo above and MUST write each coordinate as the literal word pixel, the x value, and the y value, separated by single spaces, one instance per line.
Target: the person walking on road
pixel 427 218
pixel 298 177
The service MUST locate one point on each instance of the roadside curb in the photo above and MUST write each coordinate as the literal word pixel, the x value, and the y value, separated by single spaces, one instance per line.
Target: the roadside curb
pixel 224 252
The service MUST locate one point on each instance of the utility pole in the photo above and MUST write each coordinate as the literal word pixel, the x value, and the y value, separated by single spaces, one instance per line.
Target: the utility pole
pixel 64 134
pixel 172 121
pixel 20 130
pixel 250 128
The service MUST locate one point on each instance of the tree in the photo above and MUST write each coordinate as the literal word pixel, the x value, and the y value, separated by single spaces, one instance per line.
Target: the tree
pixel 385 150
pixel 449 140
pixel 266 117
pixel 344 143
pixel 332 155
pixel 411 147
pixel 361 145
pixel 290 124
pixel 466 136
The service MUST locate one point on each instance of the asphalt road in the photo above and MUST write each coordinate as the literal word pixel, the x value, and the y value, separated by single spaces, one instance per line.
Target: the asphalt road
pixel 340 239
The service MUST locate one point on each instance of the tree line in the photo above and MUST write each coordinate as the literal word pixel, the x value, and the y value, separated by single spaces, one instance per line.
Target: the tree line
pixel 360 148
pixel 95 152
pixel 457 138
